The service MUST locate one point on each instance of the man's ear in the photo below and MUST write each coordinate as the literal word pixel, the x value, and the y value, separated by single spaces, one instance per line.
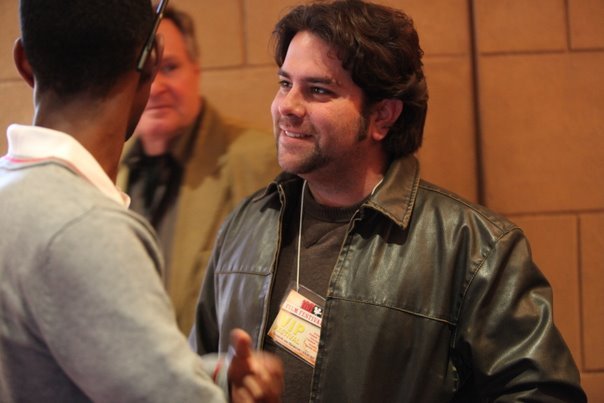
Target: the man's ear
pixel 22 63
pixel 384 114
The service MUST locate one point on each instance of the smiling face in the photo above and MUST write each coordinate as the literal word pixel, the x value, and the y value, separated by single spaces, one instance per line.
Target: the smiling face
pixel 174 101
pixel 318 119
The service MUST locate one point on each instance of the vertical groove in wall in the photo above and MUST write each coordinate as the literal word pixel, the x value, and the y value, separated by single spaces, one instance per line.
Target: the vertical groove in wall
pixel 567 21
pixel 581 365
pixel 243 13
pixel 478 145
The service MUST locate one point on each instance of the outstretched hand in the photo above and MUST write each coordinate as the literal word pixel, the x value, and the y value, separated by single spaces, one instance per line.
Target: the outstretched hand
pixel 253 376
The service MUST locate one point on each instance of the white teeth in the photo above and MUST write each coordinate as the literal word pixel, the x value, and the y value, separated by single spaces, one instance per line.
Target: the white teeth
pixel 294 135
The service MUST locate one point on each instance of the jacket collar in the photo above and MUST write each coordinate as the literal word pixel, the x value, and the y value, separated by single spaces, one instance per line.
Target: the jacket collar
pixel 394 198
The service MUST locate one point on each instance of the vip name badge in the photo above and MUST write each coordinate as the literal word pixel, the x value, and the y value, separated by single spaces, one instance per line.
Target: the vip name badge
pixel 297 327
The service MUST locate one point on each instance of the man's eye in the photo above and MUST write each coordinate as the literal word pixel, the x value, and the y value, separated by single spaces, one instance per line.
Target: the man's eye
pixel 284 84
pixel 168 68
pixel 319 91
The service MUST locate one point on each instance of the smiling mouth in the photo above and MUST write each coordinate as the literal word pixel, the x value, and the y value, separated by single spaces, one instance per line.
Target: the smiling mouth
pixel 157 107
pixel 294 135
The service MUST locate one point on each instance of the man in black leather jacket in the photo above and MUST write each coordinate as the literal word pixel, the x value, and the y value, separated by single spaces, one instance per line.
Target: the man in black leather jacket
pixel 371 284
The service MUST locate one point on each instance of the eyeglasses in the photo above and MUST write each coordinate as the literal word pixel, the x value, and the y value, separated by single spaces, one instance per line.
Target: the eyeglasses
pixel 159 13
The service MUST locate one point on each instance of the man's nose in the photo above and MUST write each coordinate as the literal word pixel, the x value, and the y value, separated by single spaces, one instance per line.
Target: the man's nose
pixel 158 85
pixel 292 103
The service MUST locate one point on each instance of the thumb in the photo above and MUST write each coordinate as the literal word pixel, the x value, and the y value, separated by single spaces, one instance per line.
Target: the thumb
pixel 241 343
pixel 241 361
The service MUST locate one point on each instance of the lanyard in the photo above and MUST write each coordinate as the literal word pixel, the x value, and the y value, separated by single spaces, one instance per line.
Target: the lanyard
pixel 300 229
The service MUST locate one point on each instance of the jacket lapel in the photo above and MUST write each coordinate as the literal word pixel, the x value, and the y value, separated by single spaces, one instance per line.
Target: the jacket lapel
pixel 204 185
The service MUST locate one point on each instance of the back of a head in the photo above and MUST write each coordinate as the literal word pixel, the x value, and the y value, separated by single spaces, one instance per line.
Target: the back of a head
pixel 379 46
pixel 83 46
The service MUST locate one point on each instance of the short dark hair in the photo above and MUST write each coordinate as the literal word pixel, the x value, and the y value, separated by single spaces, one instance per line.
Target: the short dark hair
pixel 186 26
pixel 83 45
pixel 379 46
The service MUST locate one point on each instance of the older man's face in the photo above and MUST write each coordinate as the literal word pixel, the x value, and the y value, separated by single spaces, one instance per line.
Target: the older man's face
pixel 174 101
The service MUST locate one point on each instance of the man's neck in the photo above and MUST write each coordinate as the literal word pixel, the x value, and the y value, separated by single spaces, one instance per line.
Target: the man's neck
pixel 338 193
pixel 99 126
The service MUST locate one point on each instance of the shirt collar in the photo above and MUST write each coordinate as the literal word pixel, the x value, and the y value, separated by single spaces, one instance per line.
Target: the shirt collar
pixel 30 144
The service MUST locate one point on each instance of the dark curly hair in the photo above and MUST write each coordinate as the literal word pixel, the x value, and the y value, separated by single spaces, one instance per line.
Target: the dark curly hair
pixel 83 45
pixel 379 46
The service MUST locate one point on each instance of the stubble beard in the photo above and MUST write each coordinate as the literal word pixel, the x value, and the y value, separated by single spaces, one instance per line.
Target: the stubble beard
pixel 317 159
pixel 307 163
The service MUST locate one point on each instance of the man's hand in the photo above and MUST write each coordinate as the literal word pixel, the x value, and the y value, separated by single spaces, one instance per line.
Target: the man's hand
pixel 253 376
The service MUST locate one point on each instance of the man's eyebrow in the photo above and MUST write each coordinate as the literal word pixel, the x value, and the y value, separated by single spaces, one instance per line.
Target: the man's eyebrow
pixel 310 79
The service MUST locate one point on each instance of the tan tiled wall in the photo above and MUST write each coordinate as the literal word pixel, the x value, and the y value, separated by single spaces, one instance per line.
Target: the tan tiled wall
pixel 541 103
pixel 516 122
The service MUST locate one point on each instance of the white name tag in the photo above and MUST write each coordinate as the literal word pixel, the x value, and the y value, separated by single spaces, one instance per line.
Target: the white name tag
pixel 297 327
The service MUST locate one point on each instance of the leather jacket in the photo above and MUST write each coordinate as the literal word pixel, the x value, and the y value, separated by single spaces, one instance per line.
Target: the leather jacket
pixel 432 299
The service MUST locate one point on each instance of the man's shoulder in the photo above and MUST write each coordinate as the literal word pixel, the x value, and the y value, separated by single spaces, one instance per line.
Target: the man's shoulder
pixel 52 196
pixel 244 143
pixel 253 138
pixel 247 139
pixel 261 204
pixel 50 183
pixel 235 131
pixel 454 206
pixel 252 155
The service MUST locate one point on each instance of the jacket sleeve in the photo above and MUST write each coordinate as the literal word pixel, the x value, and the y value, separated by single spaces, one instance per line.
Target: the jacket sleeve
pixel 102 310
pixel 507 344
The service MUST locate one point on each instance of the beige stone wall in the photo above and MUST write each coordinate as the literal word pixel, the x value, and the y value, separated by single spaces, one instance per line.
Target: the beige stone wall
pixel 515 122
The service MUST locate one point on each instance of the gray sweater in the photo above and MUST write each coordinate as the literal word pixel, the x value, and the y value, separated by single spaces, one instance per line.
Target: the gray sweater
pixel 83 313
